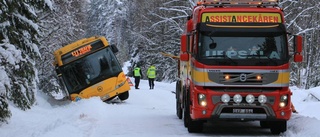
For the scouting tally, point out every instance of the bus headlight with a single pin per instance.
(237, 98)
(77, 98)
(250, 98)
(283, 101)
(202, 100)
(262, 99)
(120, 85)
(225, 98)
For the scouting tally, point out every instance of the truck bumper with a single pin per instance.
(219, 113)
(217, 110)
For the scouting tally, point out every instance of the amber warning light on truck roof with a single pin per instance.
(242, 17)
(239, 1)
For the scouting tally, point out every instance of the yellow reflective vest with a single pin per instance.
(137, 72)
(151, 73)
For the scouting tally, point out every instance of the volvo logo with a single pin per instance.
(243, 77)
(99, 88)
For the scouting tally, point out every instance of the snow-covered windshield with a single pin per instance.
(90, 70)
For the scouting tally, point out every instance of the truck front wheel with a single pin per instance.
(193, 126)
(277, 127)
(265, 124)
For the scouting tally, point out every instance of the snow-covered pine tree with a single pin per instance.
(19, 50)
(64, 24)
(303, 18)
(156, 27)
(109, 18)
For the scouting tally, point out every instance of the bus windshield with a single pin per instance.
(90, 70)
(264, 49)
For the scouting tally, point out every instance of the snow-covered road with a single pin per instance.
(145, 113)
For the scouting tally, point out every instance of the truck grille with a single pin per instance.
(242, 78)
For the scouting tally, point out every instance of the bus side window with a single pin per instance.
(113, 62)
(103, 63)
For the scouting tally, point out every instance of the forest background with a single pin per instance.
(30, 30)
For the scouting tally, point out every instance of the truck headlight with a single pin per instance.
(237, 98)
(225, 98)
(202, 100)
(283, 101)
(250, 98)
(262, 99)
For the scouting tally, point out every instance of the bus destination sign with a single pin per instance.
(86, 49)
(81, 51)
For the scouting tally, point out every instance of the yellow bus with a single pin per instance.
(89, 67)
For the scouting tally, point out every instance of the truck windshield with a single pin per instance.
(90, 70)
(241, 49)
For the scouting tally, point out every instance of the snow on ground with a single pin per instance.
(146, 113)
(307, 122)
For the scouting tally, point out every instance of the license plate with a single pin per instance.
(243, 111)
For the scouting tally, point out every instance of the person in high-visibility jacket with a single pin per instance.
(151, 74)
(137, 74)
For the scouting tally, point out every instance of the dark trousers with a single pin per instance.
(151, 83)
(136, 82)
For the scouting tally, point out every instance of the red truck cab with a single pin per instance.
(234, 65)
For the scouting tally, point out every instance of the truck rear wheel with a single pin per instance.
(179, 110)
(186, 114)
(277, 127)
(186, 110)
(124, 96)
(178, 101)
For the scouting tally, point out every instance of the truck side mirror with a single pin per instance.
(297, 58)
(183, 42)
(184, 57)
(298, 40)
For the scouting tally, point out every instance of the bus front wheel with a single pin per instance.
(124, 96)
